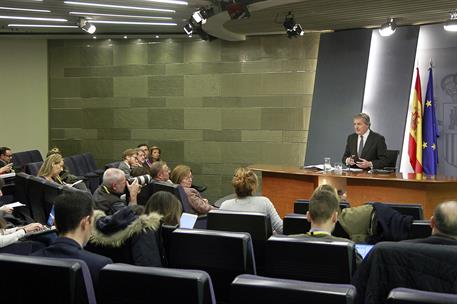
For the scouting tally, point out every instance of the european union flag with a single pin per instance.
(429, 131)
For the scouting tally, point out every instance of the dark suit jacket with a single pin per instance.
(107, 202)
(67, 248)
(374, 149)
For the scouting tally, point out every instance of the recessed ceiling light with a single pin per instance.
(94, 37)
(120, 16)
(169, 2)
(33, 18)
(24, 9)
(120, 6)
(125, 37)
(388, 28)
(156, 36)
(134, 23)
(451, 24)
(42, 25)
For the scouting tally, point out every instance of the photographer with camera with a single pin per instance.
(108, 196)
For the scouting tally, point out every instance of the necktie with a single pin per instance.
(359, 151)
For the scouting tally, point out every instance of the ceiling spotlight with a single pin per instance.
(86, 26)
(292, 29)
(125, 37)
(202, 15)
(189, 29)
(451, 24)
(388, 28)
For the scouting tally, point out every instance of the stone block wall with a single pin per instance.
(212, 105)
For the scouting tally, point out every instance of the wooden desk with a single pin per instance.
(283, 185)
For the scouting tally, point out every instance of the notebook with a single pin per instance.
(187, 220)
(363, 249)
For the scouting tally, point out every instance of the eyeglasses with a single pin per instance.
(8, 155)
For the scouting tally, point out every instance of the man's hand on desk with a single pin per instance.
(363, 163)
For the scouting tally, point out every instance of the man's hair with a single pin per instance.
(156, 168)
(112, 175)
(143, 145)
(322, 205)
(445, 216)
(365, 117)
(70, 208)
(3, 150)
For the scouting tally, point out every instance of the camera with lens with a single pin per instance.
(142, 179)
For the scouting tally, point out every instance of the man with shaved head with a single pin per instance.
(107, 197)
(444, 225)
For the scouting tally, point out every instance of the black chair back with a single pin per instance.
(414, 296)
(420, 230)
(258, 225)
(35, 196)
(247, 289)
(21, 188)
(112, 165)
(223, 255)
(129, 284)
(310, 259)
(391, 158)
(33, 168)
(46, 279)
(20, 159)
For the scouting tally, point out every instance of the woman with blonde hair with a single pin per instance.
(182, 175)
(51, 168)
(245, 182)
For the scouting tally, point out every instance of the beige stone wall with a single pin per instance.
(24, 94)
(212, 105)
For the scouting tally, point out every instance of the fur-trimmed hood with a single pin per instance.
(143, 223)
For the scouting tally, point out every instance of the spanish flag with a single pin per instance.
(415, 132)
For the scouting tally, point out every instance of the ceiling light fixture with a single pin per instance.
(292, 28)
(189, 29)
(42, 25)
(86, 26)
(202, 15)
(24, 9)
(34, 18)
(388, 28)
(451, 24)
(119, 16)
(169, 2)
(112, 6)
(134, 23)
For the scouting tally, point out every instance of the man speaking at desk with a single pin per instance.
(365, 149)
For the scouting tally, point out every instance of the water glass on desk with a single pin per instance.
(327, 164)
(338, 168)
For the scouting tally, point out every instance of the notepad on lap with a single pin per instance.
(187, 220)
(363, 249)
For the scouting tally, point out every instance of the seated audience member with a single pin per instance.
(6, 157)
(107, 197)
(128, 236)
(444, 225)
(145, 148)
(65, 177)
(73, 217)
(51, 168)
(322, 215)
(140, 157)
(129, 160)
(154, 155)
(160, 171)
(182, 175)
(167, 205)
(245, 182)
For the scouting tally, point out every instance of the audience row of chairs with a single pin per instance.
(68, 281)
(301, 206)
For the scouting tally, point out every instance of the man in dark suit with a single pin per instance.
(365, 149)
(73, 217)
(444, 225)
(6, 157)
